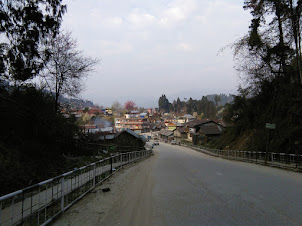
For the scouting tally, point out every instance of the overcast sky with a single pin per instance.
(150, 48)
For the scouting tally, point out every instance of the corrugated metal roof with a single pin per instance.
(128, 131)
(197, 122)
(211, 130)
(189, 116)
(166, 133)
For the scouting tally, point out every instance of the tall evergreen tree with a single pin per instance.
(163, 104)
(179, 105)
(27, 26)
(273, 41)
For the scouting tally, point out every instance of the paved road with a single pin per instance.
(179, 186)
(194, 189)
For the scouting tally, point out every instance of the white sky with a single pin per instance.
(150, 48)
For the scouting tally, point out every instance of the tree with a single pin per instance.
(179, 105)
(163, 104)
(27, 25)
(217, 99)
(273, 42)
(270, 57)
(206, 107)
(129, 105)
(86, 118)
(66, 67)
(86, 109)
(191, 106)
(116, 106)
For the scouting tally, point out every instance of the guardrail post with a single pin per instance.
(272, 156)
(62, 194)
(121, 160)
(0, 212)
(12, 209)
(111, 165)
(94, 175)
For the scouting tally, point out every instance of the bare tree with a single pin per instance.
(116, 106)
(66, 67)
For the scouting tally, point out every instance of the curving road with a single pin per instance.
(179, 186)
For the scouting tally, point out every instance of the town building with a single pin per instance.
(136, 122)
(127, 140)
(201, 131)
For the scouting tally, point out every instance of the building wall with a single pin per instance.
(138, 125)
(172, 128)
(127, 142)
(189, 137)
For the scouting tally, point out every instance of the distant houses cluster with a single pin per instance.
(188, 128)
(107, 124)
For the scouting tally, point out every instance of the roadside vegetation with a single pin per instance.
(38, 64)
(269, 58)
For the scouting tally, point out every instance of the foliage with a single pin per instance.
(66, 67)
(270, 57)
(202, 107)
(223, 98)
(32, 137)
(116, 106)
(163, 104)
(27, 25)
(130, 105)
(86, 109)
(252, 113)
(273, 42)
(217, 99)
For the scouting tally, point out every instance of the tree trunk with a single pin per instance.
(296, 33)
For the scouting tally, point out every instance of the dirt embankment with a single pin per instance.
(129, 201)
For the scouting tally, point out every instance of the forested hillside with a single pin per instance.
(209, 106)
(269, 57)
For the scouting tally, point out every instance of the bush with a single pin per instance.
(33, 137)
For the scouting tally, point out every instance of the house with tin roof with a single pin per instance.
(166, 135)
(204, 130)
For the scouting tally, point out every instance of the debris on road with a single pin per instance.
(106, 189)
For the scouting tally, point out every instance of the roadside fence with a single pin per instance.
(41, 203)
(282, 160)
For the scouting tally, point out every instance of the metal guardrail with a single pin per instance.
(283, 160)
(42, 202)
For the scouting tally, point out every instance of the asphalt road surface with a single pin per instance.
(179, 186)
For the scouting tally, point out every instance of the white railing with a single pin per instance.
(41, 203)
(290, 161)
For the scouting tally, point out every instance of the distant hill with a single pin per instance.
(75, 103)
(224, 99)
